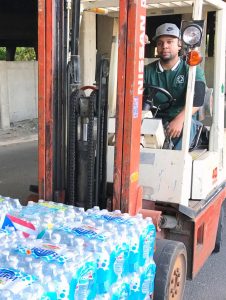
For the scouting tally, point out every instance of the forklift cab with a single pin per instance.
(192, 173)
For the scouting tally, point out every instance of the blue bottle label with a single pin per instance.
(14, 280)
(146, 247)
(86, 231)
(145, 286)
(114, 218)
(119, 263)
(48, 252)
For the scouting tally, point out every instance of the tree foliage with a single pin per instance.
(25, 54)
(2, 53)
(22, 54)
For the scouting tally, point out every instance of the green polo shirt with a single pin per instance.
(174, 81)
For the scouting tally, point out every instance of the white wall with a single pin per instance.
(18, 91)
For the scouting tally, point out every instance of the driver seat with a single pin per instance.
(201, 140)
(206, 109)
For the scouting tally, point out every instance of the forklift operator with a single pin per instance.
(171, 73)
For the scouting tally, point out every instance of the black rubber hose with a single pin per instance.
(72, 147)
(102, 115)
(91, 151)
(103, 166)
(75, 42)
(75, 27)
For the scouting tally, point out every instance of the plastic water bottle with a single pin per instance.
(13, 261)
(6, 295)
(84, 279)
(147, 239)
(120, 290)
(103, 297)
(103, 270)
(49, 288)
(119, 256)
(34, 292)
(80, 255)
(152, 234)
(134, 286)
(10, 203)
(133, 258)
(147, 280)
(37, 269)
(16, 284)
(71, 274)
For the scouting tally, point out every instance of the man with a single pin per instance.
(171, 73)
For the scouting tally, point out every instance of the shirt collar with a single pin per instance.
(172, 69)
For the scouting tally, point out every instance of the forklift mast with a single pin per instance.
(127, 194)
(52, 107)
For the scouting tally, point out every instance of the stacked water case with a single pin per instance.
(54, 251)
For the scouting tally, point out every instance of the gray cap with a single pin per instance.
(167, 29)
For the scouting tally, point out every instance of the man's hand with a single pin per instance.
(175, 127)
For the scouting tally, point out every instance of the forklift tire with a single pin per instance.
(171, 269)
(220, 229)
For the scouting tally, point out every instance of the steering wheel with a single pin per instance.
(149, 102)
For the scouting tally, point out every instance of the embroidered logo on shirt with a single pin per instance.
(180, 79)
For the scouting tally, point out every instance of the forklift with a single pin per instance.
(74, 152)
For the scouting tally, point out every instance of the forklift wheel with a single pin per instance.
(219, 231)
(171, 268)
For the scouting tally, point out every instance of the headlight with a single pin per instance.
(192, 35)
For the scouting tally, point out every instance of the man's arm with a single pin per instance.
(175, 127)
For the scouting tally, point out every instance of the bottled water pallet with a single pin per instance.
(52, 251)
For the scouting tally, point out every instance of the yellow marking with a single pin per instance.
(134, 177)
(50, 226)
(54, 206)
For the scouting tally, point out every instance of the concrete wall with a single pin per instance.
(209, 62)
(18, 91)
(104, 35)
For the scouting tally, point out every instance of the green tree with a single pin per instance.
(2, 53)
(25, 54)
(22, 54)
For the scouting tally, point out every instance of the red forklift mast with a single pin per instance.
(45, 98)
(52, 73)
(127, 194)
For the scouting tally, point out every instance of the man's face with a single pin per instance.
(167, 47)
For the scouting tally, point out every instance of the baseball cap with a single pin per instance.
(167, 29)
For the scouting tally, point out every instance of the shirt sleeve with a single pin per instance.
(200, 87)
(200, 76)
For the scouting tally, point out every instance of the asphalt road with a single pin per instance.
(18, 169)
